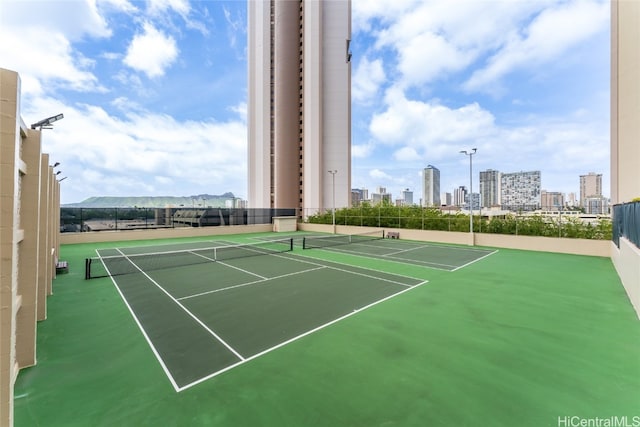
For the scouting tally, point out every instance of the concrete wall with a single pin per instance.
(29, 223)
(625, 100)
(528, 243)
(626, 259)
(625, 132)
(164, 233)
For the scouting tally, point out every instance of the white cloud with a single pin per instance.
(435, 38)
(406, 154)
(156, 7)
(365, 11)
(74, 20)
(28, 49)
(119, 5)
(142, 152)
(429, 126)
(37, 41)
(379, 175)
(151, 52)
(366, 81)
(362, 150)
(547, 38)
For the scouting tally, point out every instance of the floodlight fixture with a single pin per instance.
(46, 123)
(56, 164)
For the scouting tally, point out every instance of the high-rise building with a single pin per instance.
(474, 200)
(590, 186)
(460, 196)
(381, 196)
(551, 200)
(490, 188)
(445, 199)
(596, 205)
(407, 197)
(299, 108)
(430, 186)
(356, 197)
(520, 190)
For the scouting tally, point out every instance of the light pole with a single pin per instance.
(470, 154)
(333, 189)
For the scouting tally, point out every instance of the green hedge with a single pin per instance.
(417, 218)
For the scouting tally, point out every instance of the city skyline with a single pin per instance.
(452, 190)
(161, 88)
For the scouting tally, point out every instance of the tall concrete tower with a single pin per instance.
(299, 108)
(431, 186)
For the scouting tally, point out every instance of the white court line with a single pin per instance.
(206, 328)
(247, 284)
(289, 341)
(383, 258)
(475, 260)
(144, 333)
(242, 269)
(358, 267)
(406, 250)
(352, 272)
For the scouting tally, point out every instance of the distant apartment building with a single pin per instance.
(380, 196)
(474, 199)
(407, 197)
(551, 200)
(596, 205)
(571, 200)
(430, 186)
(356, 197)
(490, 188)
(299, 104)
(446, 199)
(590, 186)
(460, 196)
(520, 190)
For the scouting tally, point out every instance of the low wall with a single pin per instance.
(164, 233)
(589, 247)
(626, 260)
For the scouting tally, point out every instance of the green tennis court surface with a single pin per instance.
(440, 257)
(516, 338)
(209, 308)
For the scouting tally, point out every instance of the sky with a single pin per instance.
(154, 92)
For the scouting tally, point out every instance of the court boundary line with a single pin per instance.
(144, 333)
(293, 339)
(240, 285)
(299, 254)
(378, 257)
(242, 359)
(356, 273)
(295, 254)
(476, 260)
(431, 265)
(193, 316)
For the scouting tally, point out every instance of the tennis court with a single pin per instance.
(207, 307)
(374, 245)
(518, 338)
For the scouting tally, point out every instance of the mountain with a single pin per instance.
(199, 200)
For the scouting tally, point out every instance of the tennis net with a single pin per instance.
(311, 242)
(116, 265)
